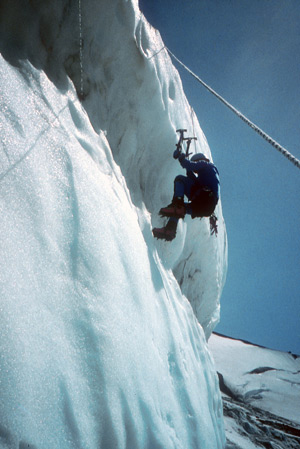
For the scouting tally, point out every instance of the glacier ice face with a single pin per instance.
(138, 100)
(99, 348)
(143, 146)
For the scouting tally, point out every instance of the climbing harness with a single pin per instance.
(264, 135)
(213, 221)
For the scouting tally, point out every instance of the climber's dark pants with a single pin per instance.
(182, 186)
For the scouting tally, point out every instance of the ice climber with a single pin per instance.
(201, 186)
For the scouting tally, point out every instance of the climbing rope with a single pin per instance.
(155, 54)
(80, 48)
(264, 135)
(192, 115)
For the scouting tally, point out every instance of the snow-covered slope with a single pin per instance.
(99, 347)
(261, 394)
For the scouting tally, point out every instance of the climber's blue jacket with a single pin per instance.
(203, 173)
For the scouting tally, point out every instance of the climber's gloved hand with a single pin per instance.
(178, 155)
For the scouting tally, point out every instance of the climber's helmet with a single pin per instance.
(199, 157)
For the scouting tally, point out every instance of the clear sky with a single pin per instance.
(249, 52)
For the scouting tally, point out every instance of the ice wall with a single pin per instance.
(138, 101)
(146, 91)
(98, 346)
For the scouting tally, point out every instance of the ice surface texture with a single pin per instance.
(99, 348)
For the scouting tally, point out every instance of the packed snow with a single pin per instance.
(100, 340)
(265, 378)
(261, 394)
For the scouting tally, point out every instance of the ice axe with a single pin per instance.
(181, 138)
(188, 143)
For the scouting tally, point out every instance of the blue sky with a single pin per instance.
(249, 52)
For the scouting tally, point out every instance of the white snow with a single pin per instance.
(98, 345)
(236, 438)
(264, 378)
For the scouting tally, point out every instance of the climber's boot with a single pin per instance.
(175, 209)
(167, 233)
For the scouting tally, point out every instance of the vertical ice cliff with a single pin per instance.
(99, 348)
(133, 81)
